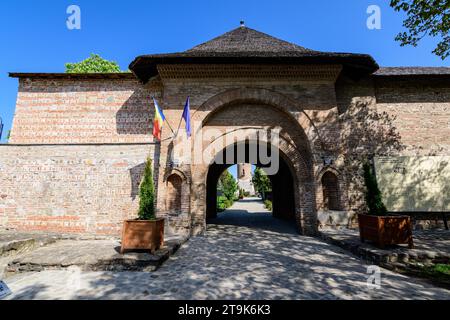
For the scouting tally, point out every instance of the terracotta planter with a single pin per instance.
(142, 235)
(386, 230)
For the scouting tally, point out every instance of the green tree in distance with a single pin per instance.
(93, 64)
(228, 185)
(261, 182)
(425, 17)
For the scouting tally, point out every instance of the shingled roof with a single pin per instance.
(244, 46)
(413, 71)
(246, 40)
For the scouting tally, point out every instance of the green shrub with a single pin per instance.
(147, 194)
(373, 194)
(222, 203)
(228, 203)
(268, 205)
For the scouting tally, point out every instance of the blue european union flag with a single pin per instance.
(187, 117)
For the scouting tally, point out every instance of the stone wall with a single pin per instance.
(70, 188)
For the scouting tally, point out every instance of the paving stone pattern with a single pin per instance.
(265, 261)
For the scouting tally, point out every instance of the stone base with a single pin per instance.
(334, 219)
(430, 247)
(91, 255)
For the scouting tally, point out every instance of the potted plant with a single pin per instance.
(146, 232)
(377, 226)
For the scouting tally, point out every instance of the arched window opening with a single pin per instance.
(173, 200)
(330, 188)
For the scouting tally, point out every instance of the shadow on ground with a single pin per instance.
(265, 261)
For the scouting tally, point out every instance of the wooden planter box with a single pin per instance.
(386, 230)
(142, 235)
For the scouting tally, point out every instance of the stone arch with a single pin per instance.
(262, 96)
(304, 186)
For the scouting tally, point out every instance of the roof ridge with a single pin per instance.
(244, 39)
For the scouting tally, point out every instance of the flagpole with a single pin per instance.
(179, 124)
(170, 127)
(181, 120)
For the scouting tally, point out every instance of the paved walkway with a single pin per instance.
(267, 261)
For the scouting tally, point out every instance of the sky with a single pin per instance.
(34, 36)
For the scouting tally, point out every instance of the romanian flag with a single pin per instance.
(158, 121)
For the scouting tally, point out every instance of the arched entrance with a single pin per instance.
(283, 196)
(247, 110)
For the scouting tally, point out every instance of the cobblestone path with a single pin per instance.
(234, 261)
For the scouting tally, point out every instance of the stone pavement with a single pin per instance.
(233, 261)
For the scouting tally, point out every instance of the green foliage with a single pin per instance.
(268, 205)
(425, 17)
(373, 194)
(93, 64)
(442, 268)
(147, 194)
(438, 273)
(223, 203)
(261, 182)
(228, 185)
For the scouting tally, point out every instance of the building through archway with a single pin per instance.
(282, 181)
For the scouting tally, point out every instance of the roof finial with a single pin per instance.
(242, 24)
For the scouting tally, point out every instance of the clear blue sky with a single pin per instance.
(34, 36)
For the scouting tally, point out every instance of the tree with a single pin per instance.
(228, 185)
(373, 194)
(147, 194)
(261, 182)
(93, 64)
(425, 17)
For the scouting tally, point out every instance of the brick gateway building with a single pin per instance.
(79, 141)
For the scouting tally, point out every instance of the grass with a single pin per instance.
(438, 270)
(437, 273)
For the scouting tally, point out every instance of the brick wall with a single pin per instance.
(51, 111)
(76, 188)
(422, 111)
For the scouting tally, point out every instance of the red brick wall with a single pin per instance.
(50, 111)
(80, 189)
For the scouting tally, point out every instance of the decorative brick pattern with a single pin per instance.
(58, 111)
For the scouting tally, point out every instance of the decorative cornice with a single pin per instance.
(224, 71)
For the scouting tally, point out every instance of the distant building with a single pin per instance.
(244, 175)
